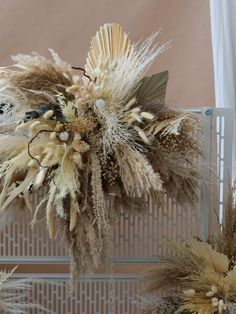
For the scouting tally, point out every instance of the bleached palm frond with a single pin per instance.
(108, 45)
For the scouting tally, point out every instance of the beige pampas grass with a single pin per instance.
(35, 80)
(133, 165)
(51, 221)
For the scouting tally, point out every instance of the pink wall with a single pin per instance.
(67, 27)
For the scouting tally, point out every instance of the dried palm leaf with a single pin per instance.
(152, 90)
(108, 45)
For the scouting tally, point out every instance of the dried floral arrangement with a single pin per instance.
(204, 273)
(98, 141)
(14, 294)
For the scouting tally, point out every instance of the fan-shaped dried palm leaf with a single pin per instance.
(108, 45)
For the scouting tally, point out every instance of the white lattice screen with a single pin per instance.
(136, 239)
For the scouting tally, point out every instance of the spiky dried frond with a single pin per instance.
(14, 295)
(186, 261)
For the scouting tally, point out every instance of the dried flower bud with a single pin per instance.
(215, 301)
(209, 294)
(147, 115)
(189, 292)
(48, 114)
(32, 163)
(53, 136)
(221, 306)
(214, 289)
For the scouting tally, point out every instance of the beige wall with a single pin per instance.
(67, 26)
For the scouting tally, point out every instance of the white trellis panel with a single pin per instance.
(97, 294)
(141, 239)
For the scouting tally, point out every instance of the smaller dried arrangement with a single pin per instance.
(204, 273)
(14, 295)
(98, 142)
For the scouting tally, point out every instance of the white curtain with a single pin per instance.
(223, 30)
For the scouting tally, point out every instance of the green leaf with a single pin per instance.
(152, 89)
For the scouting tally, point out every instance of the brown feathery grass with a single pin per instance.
(38, 83)
(176, 158)
(88, 250)
(226, 237)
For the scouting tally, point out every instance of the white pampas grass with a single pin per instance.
(115, 133)
(131, 67)
(24, 61)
